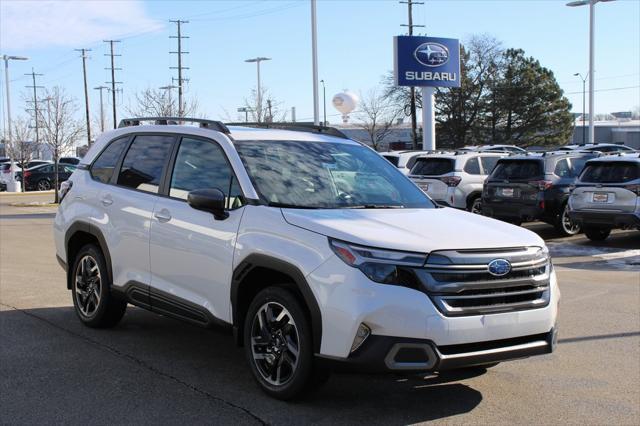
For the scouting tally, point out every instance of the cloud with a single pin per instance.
(42, 24)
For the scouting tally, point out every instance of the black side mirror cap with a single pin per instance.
(210, 200)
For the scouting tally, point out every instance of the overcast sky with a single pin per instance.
(355, 45)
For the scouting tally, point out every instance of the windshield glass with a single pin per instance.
(610, 172)
(517, 169)
(326, 175)
(432, 166)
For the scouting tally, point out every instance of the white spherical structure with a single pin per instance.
(345, 102)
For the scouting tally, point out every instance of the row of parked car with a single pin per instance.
(39, 175)
(594, 187)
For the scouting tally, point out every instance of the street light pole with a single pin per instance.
(314, 60)
(259, 93)
(169, 88)
(592, 23)
(6, 60)
(324, 102)
(584, 80)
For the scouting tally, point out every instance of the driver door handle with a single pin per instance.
(106, 200)
(162, 215)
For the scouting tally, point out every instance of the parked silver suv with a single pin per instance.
(455, 179)
(607, 195)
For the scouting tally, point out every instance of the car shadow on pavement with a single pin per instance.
(203, 364)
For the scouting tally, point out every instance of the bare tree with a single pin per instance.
(61, 129)
(377, 116)
(161, 103)
(23, 148)
(264, 108)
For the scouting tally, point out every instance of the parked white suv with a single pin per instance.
(312, 248)
(403, 160)
(455, 179)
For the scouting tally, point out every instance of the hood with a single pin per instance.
(417, 230)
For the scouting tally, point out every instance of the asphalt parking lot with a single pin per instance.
(151, 369)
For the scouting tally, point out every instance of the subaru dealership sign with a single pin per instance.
(426, 61)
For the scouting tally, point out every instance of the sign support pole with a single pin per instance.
(428, 119)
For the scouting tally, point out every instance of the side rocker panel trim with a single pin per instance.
(260, 260)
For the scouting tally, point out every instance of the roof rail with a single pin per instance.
(298, 127)
(204, 123)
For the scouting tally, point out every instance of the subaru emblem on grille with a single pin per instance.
(499, 267)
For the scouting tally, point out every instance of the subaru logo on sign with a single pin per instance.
(499, 267)
(432, 54)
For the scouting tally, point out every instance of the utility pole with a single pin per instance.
(179, 22)
(35, 88)
(412, 90)
(86, 92)
(113, 78)
(324, 102)
(314, 61)
(101, 88)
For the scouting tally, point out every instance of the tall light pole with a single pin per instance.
(170, 87)
(314, 60)
(6, 59)
(592, 22)
(259, 92)
(324, 102)
(584, 81)
(101, 88)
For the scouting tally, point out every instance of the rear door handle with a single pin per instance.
(162, 215)
(106, 200)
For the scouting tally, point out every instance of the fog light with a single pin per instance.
(361, 335)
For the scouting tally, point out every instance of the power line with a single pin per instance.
(35, 88)
(113, 81)
(179, 52)
(605, 90)
(86, 91)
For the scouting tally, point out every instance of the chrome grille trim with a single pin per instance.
(463, 294)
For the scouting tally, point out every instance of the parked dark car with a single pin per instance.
(69, 160)
(43, 177)
(531, 187)
(34, 163)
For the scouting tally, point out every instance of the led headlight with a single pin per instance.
(379, 265)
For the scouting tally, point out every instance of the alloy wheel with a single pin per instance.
(275, 343)
(88, 285)
(44, 185)
(476, 206)
(570, 227)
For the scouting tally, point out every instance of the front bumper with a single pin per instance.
(380, 354)
(606, 219)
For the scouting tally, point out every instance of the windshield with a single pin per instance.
(517, 169)
(326, 175)
(610, 172)
(432, 166)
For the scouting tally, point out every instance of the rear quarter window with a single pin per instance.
(518, 169)
(432, 166)
(392, 159)
(103, 167)
(611, 172)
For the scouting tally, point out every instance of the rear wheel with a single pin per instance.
(278, 344)
(475, 206)
(565, 225)
(91, 290)
(43, 185)
(597, 234)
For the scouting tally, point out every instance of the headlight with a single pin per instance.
(382, 266)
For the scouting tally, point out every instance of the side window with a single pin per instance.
(472, 166)
(143, 163)
(46, 169)
(103, 167)
(202, 164)
(562, 168)
(488, 163)
(577, 164)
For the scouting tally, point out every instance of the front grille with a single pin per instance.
(459, 282)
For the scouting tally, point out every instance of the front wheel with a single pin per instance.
(597, 234)
(564, 225)
(278, 344)
(475, 206)
(44, 185)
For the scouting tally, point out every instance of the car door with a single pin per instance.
(127, 205)
(191, 251)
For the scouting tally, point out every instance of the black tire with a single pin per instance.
(43, 185)
(475, 205)
(93, 301)
(597, 234)
(564, 225)
(269, 355)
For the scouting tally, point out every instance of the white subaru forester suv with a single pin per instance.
(315, 251)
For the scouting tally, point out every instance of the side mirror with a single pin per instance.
(209, 200)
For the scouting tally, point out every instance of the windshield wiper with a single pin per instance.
(290, 206)
(375, 206)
